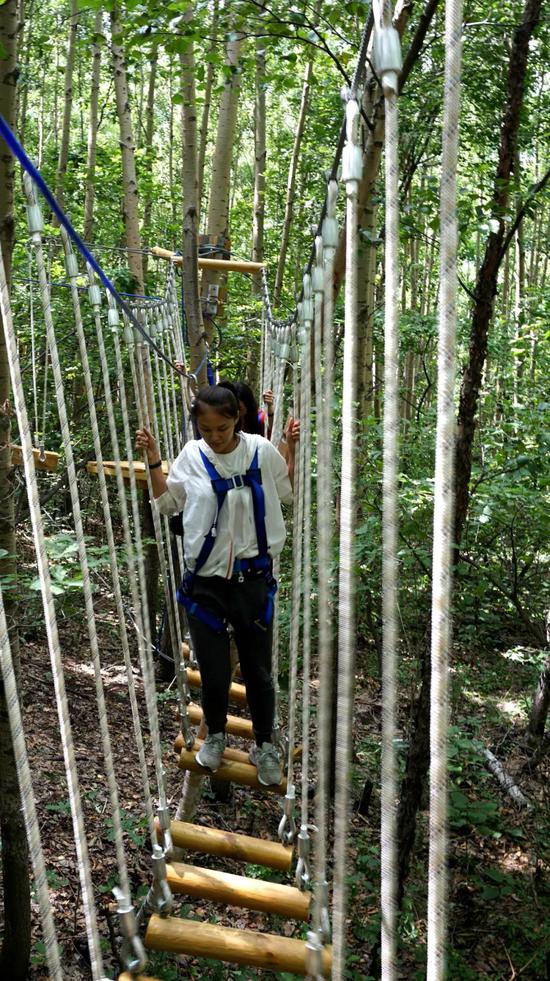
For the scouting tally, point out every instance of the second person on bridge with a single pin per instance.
(229, 486)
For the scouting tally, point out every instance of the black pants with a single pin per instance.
(240, 603)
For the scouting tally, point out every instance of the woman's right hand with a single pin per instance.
(146, 441)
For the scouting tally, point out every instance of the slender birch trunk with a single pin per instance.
(253, 353)
(15, 954)
(67, 106)
(130, 200)
(218, 210)
(190, 249)
(148, 147)
(89, 199)
(291, 183)
(206, 106)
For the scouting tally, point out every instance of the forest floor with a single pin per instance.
(499, 889)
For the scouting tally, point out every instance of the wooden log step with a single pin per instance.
(230, 752)
(42, 461)
(265, 950)
(135, 977)
(241, 773)
(237, 693)
(228, 844)
(238, 890)
(235, 725)
(138, 466)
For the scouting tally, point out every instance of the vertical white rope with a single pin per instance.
(444, 503)
(57, 374)
(72, 271)
(326, 248)
(92, 932)
(389, 548)
(303, 869)
(351, 175)
(28, 800)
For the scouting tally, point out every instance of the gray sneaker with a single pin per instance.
(266, 760)
(211, 752)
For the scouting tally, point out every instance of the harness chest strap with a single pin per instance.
(262, 562)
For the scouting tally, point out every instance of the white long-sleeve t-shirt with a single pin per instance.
(189, 490)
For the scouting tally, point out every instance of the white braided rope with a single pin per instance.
(305, 437)
(115, 575)
(57, 374)
(389, 549)
(443, 504)
(92, 932)
(351, 172)
(325, 513)
(297, 560)
(28, 800)
(135, 556)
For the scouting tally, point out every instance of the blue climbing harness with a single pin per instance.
(260, 563)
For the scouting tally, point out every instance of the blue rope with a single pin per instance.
(14, 145)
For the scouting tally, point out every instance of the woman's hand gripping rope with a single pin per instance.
(146, 442)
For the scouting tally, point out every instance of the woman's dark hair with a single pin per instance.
(244, 394)
(217, 397)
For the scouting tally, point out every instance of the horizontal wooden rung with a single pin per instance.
(238, 890)
(237, 693)
(240, 773)
(235, 725)
(43, 460)
(228, 844)
(230, 752)
(109, 469)
(248, 947)
(226, 265)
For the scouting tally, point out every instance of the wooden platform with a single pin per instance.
(228, 844)
(248, 947)
(238, 890)
(109, 469)
(44, 461)
(243, 774)
(237, 693)
(225, 265)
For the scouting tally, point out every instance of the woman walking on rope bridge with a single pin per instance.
(230, 486)
(252, 418)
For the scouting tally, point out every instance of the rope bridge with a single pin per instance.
(137, 342)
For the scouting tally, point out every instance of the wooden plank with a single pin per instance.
(138, 466)
(241, 773)
(44, 461)
(228, 844)
(227, 265)
(237, 693)
(248, 947)
(230, 752)
(239, 890)
(235, 725)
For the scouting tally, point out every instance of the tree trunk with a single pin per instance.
(291, 184)
(541, 699)
(206, 106)
(190, 248)
(148, 147)
(89, 200)
(220, 184)
(127, 145)
(486, 284)
(15, 954)
(67, 107)
(253, 353)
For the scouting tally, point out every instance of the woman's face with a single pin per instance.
(217, 430)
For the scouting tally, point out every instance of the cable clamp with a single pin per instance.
(163, 815)
(159, 898)
(387, 57)
(287, 824)
(314, 956)
(303, 871)
(35, 219)
(320, 912)
(71, 264)
(94, 295)
(132, 953)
